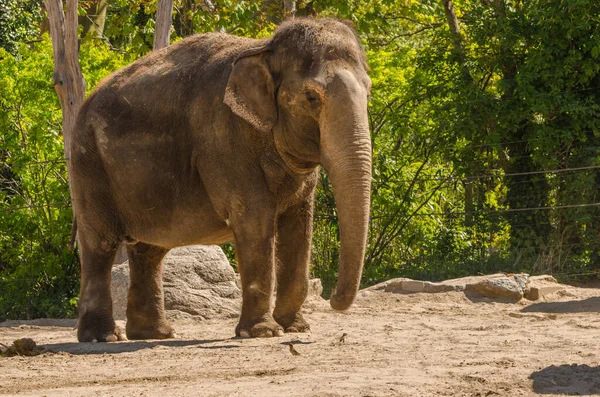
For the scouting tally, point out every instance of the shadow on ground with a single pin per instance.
(580, 306)
(126, 347)
(40, 322)
(572, 380)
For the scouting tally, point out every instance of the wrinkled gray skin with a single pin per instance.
(218, 138)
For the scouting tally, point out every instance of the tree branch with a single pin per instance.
(457, 38)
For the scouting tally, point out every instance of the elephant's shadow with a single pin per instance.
(133, 346)
(567, 379)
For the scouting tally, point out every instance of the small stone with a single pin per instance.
(315, 289)
(24, 346)
(21, 347)
(539, 292)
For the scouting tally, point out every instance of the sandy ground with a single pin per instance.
(396, 345)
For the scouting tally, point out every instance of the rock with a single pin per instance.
(407, 285)
(21, 347)
(493, 287)
(534, 315)
(404, 285)
(506, 288)
(393, 285)
(433, 288)
(536, 293)
(543, 278)
(542, 286)
(413, 286)
(119, 285)
(198, 281)
(522, 280)
(315, 289)
(459, 284)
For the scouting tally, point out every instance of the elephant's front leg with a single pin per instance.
(293, 256)
(255, 247)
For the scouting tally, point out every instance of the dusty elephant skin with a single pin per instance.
(218, 138)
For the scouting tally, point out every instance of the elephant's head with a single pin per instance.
(308, 87)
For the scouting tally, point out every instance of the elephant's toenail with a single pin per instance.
(244, 334)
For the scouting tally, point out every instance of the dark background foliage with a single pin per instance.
(486, 136)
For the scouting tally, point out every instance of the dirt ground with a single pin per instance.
(396, 345)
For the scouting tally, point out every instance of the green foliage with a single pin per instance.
(38, 273)
(465, 130)
(19, 20)
(522, 99)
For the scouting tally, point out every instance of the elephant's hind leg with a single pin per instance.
(145, 302)
(95, 303)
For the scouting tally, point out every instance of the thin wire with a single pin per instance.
(55, 204)
(509, 210)
(55, 161)
(29, 279)
(473, 177)
(560, 193)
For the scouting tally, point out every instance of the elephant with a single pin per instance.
(219, 138)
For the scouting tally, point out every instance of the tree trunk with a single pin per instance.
(530, 231)
(162, 28)
(184, 24)
(289, 8)
(68, 80)
(272, 10)
(457, 39)
(94, 19)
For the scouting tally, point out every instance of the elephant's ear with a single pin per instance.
(250, 91)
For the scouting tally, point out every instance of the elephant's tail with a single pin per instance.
(73, 234)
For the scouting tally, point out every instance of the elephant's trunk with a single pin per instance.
(346, 156)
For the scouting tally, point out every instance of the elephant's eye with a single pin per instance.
(311, 96)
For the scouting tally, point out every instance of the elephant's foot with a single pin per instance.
(94, 328)
(292, 323)
(157, 330)
(264, 328)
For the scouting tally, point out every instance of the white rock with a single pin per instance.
(198, 281)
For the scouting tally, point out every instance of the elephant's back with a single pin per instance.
(157, 93)
(199, 60)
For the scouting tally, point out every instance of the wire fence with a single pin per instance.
(401, 218)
